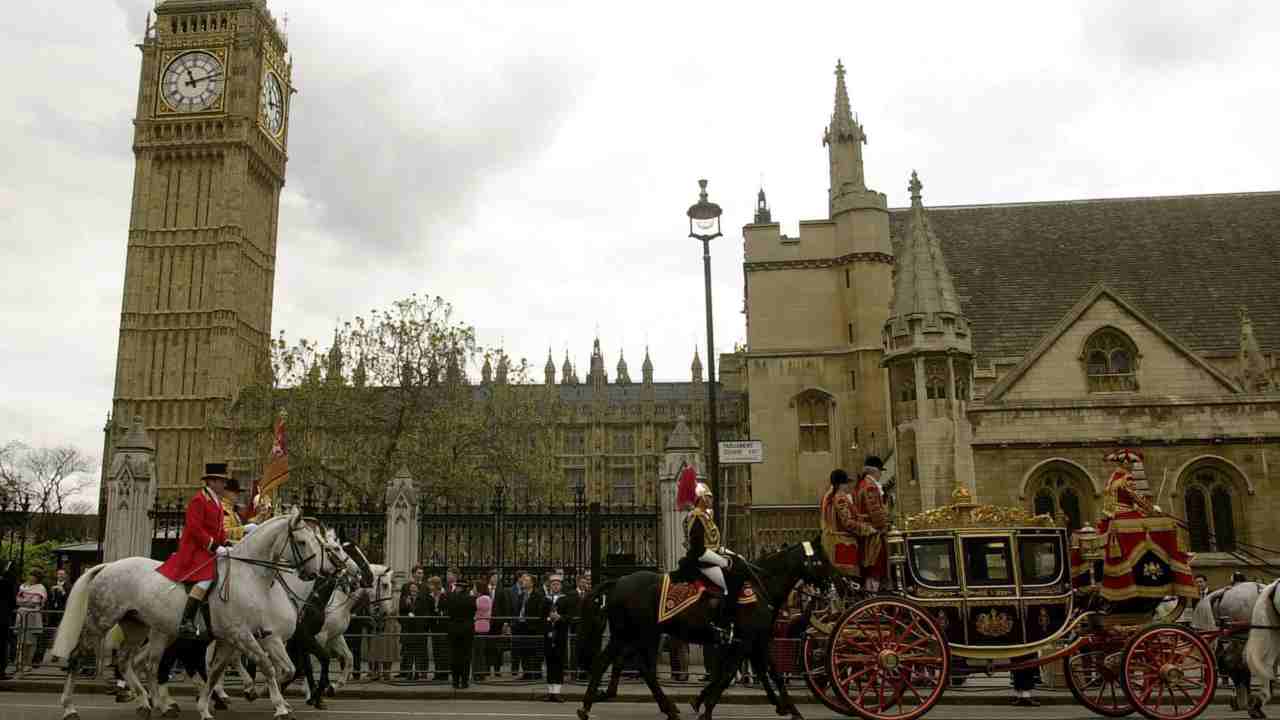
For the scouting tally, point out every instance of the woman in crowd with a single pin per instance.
(32, 597)
(484, 611)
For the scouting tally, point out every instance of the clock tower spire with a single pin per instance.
(210, 140)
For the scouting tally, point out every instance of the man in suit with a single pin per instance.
(526, 629)
(578, 599)
(431, 608)
(460, 608)
(556, 612)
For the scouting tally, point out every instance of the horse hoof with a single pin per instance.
(795, 715)
(1255, 707)
(143, 713)
(250, 695)
(171, 711)
(582, 715)
(330, 691)
(219, 703)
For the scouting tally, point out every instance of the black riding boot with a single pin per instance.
(187, 629)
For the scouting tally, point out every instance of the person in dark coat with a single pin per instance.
(460, 608)
(527, 628)
(556, 613)
(8, 603)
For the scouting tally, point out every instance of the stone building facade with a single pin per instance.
(210, 140)
(1018, 345)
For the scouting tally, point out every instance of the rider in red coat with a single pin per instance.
(203, 539)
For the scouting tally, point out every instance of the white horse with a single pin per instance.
(1262, 651)
(335, 629)
(254, 616)
(131, 587)
(1235, 604)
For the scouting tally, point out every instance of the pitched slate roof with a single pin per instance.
(1187, 261)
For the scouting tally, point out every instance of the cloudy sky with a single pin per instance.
(532, 162)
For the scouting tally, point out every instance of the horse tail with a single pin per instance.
(1261, 649)
(72, 624)
(592, 623)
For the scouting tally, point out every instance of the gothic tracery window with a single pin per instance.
(1208, 499)
(1059, 491)
(936, 380)
(1111, 362)
(813, 409)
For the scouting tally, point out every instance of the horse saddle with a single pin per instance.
(675, 597)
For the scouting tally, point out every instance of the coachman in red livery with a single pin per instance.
(204, 539)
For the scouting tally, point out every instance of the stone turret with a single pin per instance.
(646, 368)
(486, 371)
(696, 367)
(549, 370)
(502, 370)
(597, 375)
(624, 377)
(763, 215)
(567, 374)
(929, 353)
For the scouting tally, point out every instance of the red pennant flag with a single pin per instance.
(686, 488)
(277, 471)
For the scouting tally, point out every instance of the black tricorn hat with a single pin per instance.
(839, 477)
(216, 471)
(874, 461)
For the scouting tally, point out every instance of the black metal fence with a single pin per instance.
(499, 530)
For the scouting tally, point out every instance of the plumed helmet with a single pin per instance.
(701, 491)
(839, 477)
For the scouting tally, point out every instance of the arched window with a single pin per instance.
(1209, 502)
(1111, 362)
(962, 380)
(1060, 491)
(813, 409)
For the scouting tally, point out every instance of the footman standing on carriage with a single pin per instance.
(204, 538)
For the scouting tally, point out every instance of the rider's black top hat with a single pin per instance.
(215, 471)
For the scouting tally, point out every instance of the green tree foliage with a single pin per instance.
(393, 390)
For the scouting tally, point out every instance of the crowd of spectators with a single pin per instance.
(463, 629)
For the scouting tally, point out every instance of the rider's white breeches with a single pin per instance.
(715, 573)
(204, 584)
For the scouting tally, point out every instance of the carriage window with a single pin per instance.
(1041, 560)
(933, 562)
(987, 561)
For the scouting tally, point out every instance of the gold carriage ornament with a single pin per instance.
(963, 512)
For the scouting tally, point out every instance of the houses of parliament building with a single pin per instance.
(1006, 347)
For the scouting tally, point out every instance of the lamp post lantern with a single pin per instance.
(704, 225)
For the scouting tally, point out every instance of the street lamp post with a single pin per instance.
(704, 225)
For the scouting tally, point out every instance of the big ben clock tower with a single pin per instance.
(210, 140)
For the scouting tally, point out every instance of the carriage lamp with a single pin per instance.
(1090, 543)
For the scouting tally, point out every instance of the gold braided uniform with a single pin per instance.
(231, 521)
(700, 533)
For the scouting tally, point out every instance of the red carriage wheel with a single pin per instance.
(888, 660)
(817, 675)
(1168, 673)
(1093, 677)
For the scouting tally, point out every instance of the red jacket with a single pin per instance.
(202, 533)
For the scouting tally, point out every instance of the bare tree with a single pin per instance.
(10, 472)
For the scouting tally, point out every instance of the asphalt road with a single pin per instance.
(44, 706)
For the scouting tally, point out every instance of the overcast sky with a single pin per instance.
(532, 162)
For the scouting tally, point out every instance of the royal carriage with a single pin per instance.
(982, 589)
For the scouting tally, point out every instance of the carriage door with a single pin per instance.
(993, 613)
(1046, 589)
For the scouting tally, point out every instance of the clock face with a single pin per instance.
(193, 82)
(272, 104)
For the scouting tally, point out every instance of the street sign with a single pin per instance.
(741, 452)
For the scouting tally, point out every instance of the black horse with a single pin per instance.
(630, 607)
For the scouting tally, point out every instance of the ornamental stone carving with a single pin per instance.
(131, 482)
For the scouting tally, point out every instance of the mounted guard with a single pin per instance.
(703, 548)
(204, 539)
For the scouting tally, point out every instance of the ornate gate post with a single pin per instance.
(681, 449)
(402, 526)
(131, 491)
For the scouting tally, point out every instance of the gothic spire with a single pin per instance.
(501, 371)
(624, 377)
(696, 368)
(922, 287)
(646, 368)
(844, 139)
(549, 370)
(842, 121)
(763, 216)
(486, 371)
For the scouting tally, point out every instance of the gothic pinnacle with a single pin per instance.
(915, 186)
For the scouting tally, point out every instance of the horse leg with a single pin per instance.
(345, 658)
(69, 711)
(607, 657)
(768, 673)
(275, 663)
(248, 670)
(222, 656)
(726, 671)
(649, 670)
